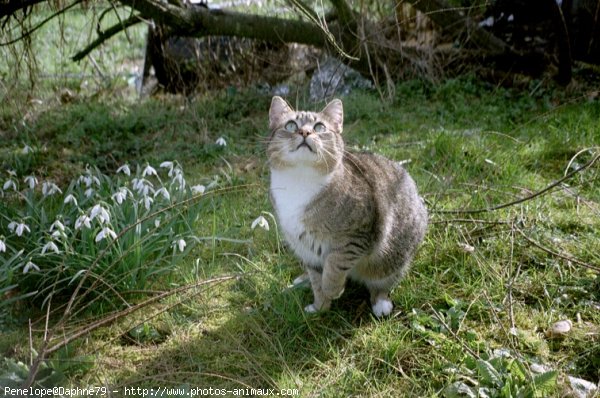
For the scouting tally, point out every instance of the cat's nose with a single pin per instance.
(304, 133)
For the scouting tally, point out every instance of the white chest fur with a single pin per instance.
(292, 190)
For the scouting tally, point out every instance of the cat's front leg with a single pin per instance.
(320, 301)
(335, 273)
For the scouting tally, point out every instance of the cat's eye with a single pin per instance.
(291, 126)
(319, 128)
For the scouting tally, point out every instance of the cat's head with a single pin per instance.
(301, 138)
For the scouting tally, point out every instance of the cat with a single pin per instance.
(344, 214)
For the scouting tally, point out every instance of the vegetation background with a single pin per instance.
(182, 280)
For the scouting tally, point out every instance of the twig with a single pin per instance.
(36, 27)
(105, 35)
(469, 220)
(111, 318)
(441, 320)
(553, 253)
(526, 198)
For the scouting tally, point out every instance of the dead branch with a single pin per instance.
(105, 35)
(555, 254)
(526, 198)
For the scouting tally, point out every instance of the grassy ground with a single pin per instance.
(483, 285)
(473, 313)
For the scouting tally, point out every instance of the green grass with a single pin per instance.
(470, 146)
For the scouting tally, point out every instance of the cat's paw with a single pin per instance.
(333, 292)
(300, 280)
(311, 309)
(383, 307)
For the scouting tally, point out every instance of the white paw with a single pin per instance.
(383, 307)
(299, 280)
(311, 309)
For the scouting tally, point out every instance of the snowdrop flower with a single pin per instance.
(27, 150)
(167, 165)
(83, 179)
(57, 225)
(30, 266)
(120, 196)
(148, 202)
(89, 192)
(180, 244)
(100, 213)
(149, 171)
(12, 173)
(163, 191)
(2, 246)
(221, 141)
(260, 221)
(50, 188)
(83, 221)
(142, 186)
(157, 222)
(50, 246)
(124, 169)
(198, 189)
(70, 199)
(18, 228)
(9, 184)
(58, 234)
(31, 181)
(179, 179)
(105, 232)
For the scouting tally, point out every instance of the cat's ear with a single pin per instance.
(334, 112)
(278, 108)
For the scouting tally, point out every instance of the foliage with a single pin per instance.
(111, 235)
(470, 316)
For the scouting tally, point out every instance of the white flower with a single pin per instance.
(100, 213)
(70, 199)
(124, 169)
(89, 192)
(198, 189)
(166, 165)
(57, 225)
(105, 232)
(50, 246)
(148, 202)
(2, 246)
(83, 221)
(163, 191)
(31, 181)
(121, 195)
(18, 228)
(29, 266)
(149, 171)
(221, 141)
(260, 221)
(157, 222)
(12, 173)
(179, 178)
(58, 234)
(142, 186)
(27, 149)
(9, 184)
(86, 179)
(180, 244)
(50, 188)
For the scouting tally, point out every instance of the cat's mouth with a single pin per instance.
(304, 144)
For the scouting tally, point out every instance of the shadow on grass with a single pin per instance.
(270, 345)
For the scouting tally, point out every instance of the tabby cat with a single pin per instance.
(344, 214)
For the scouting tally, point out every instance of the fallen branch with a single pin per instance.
(555, 254)
(526, 198)
(105, 35)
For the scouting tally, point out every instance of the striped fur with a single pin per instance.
(345, 215)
